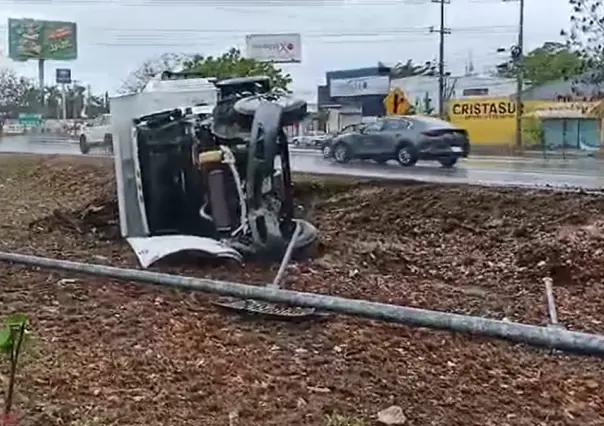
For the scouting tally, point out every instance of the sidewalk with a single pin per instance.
(531, 156)
(526, 156)
(508, 151)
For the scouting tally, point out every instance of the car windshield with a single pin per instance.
(350, 128)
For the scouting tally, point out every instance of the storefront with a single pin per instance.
(360, 89)
(493, 121)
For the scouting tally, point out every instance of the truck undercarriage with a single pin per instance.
(214, 181)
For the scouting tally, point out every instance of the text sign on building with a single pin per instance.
(360, 86)
(276, 48)
(63, 76)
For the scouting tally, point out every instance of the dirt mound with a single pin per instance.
(109, 353)
(99, 219)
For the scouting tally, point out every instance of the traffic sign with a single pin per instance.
(63, 76)
(396, 102)
(30, 120)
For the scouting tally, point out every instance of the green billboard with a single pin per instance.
(34, 39)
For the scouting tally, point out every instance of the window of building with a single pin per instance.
(482, 91)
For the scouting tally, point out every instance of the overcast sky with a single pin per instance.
(116, 35)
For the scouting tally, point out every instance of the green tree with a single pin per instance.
(550, 62)
(586, 37)
(17, 94)
(232, 64)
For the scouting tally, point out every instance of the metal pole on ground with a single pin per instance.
(551, 301)
(547, 337)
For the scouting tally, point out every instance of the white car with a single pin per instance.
(312, 138)
(97, 133)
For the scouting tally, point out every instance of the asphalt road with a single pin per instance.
(585, 173)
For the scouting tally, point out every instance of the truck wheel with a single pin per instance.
(84, 147)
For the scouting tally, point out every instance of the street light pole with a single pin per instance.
(441, 56)
(518, 59)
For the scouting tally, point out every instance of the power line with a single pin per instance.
(227, 3)
(307, 33)
(209, 42)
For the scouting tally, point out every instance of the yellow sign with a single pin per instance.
(396, 102)
(493, 121)
(488, 108)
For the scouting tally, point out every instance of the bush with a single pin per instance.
(533, 133)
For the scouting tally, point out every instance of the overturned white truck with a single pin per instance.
(191, 180)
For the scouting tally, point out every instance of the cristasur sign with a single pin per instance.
(485, 109)
(359, 86)
(276, 48)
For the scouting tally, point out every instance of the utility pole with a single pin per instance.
(442, 31)
(518, 60)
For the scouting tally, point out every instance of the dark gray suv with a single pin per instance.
(406, 139)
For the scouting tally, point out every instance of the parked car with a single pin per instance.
(309, 139)
(96, 133)
(406, 139)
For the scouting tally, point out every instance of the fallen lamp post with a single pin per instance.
(546, 337)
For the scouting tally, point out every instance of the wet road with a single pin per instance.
(585, 173)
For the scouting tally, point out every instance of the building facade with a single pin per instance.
(423, 92)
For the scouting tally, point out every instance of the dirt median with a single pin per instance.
(113, 353)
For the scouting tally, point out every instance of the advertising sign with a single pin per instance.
(276, 48)
(360, 86)
(493, 121)
(34, 39)
(63, 76)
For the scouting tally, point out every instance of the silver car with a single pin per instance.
(406, 139)
(312, 138)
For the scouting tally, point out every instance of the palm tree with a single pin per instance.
(54, 101)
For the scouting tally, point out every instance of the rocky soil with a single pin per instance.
(111, 353)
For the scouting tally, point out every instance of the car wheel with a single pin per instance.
(406, 156)
(84, 146)
(448, 162)
(341, 153)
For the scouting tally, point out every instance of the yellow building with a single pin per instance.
(493, 121)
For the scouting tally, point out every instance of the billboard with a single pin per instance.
(359, 86)
(34, 39)
(276, 48)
